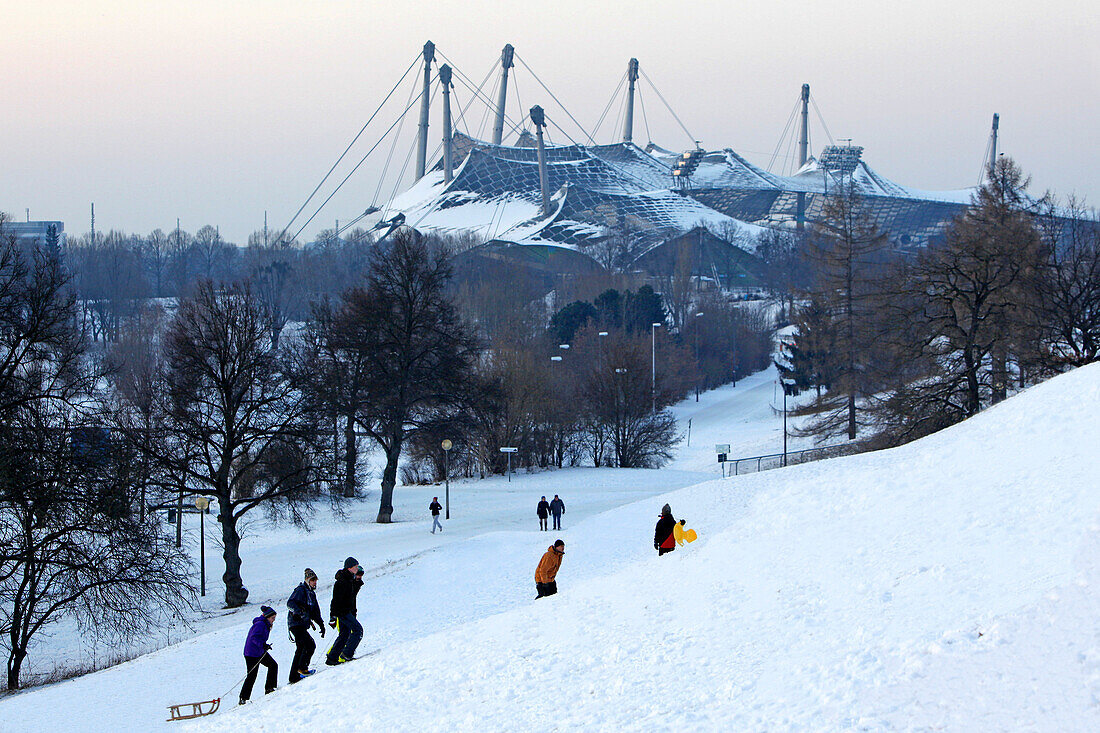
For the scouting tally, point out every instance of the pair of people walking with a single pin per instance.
(545, 509)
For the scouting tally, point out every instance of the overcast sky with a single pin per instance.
(217, 111)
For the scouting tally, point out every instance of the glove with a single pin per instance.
(267, 647)
(656, 546)
(332, 622)
(683, 522)
(322, 628)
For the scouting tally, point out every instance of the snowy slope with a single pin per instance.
(949, 584)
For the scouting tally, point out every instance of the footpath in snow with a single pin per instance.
(948, 584)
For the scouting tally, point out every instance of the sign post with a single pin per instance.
(509, 451)
(447, 445)
(723, 450)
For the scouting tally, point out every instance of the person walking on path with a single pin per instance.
(543, 510)
(435, 509)
(663, 538)
(547, 571)
(256, 652)
(303, 614)
(342, 613)
(557, 508)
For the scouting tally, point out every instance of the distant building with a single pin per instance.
(30, 233)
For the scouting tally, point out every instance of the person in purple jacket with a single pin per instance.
(256, 653)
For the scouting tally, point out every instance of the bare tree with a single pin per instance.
(235, 428)
(423, 354)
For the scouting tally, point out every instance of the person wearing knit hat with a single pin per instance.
(342, 613)
(304, 614)
(257, 652)
(664, 540)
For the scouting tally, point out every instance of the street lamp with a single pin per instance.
(447, 445)
(653, 361)
(695, 334)
(202, 503)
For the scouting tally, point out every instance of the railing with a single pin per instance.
(776, 460)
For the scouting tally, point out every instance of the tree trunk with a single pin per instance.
(973, 394)
(17, 651)
(235, 592)
(389, 480)
(351, 455)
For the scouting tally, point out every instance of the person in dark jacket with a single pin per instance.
(663, 538)
(256, 652)
(557, 508)
(304, 615)
(342, 613)
(543, 510)
(435, 508)
(546, 573)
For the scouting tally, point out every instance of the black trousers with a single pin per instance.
(546, 589)
(253, 665)
(304, 646)
(542, 523)
(663, 550)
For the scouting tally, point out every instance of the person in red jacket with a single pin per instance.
(663, 538)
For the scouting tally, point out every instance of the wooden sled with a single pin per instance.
(196, 709)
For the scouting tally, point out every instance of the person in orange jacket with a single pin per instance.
(547, 571)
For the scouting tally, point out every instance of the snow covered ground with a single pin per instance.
(949, 584)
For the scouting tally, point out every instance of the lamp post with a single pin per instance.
(447, 445)
(695, 334)
(202, 503)
(653, 364)
(785, 388)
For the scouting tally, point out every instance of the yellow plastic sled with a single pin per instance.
(683, 535)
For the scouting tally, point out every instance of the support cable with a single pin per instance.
(668, 106)
(476, 90)
(610, 101)
(352, 171)
(579, 125)
(393, 146)
(641, 104)
(782, 137)
(348, 148)
(822, 118)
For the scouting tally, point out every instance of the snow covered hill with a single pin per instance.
(949, 584)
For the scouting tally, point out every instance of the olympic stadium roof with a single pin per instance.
(601, 191)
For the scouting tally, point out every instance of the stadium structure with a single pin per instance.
(563, 207)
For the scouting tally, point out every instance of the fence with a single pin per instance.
(776, 460)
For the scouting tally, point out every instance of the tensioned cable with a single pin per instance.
(523, 116)
(667, 105)
(782, 138)
(644, 118)
(610, 101)
(619, 116)
(822, 118)
(352, 171)
(393, 144)
(476, 90)
(408, 157)
(348, 148)
(579, 125)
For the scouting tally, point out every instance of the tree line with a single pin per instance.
(900, 344)
(228, 392)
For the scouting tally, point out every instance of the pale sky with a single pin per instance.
(217, 111)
